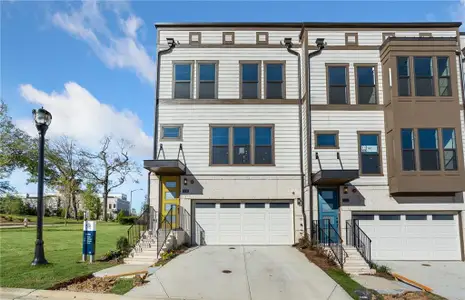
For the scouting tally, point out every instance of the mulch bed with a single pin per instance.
(409, 296)
(91, 284)
(319, 259)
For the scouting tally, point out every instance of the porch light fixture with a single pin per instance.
(185, 181)
(346, 189)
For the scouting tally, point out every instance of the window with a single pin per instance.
(415, 217)
(228, 38)
(366, 84)
(263, 146)
(262, 38)
(241, 145)
(370, 158)
(220, 146)
(424, 85)
(182, 80)
(230, 205)
(274, 81)
(205, 205)
(255, 205)
(337, 82)
(389, 217)
(207, 81)
(171, 132)
(449, 146)
(443, 217)
(109, 206)
(403, 73)
(408, 150)
(195, 38)
(364, 217)
(351, 38)
(248, 145)
(279, 205)
(444, 77)
(250, 80)
(429, 152)
(326, 140)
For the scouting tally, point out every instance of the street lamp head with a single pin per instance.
(42, 118)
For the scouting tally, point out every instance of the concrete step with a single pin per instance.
(355, 258)
(355, 265)
(357, 270)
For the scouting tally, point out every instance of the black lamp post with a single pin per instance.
(42, 119)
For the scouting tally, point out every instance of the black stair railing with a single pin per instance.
(326, 235)
(167, 225)
(142, 226)
(197, 235)
(356, 237)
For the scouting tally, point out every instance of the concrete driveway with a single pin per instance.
(446, 278)
(256, 273)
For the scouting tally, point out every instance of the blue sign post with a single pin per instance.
(89, 240)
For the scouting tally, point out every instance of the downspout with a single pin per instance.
(299, 72)
(461, 62)
(321, 45)
(172, 44)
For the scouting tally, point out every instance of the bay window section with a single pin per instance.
(403, 75)
(449, 145)
(444, 81)
(408, 150)
(424, 84)
(429, 151)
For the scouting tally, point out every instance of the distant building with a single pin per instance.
(115, 203)
(52, 201)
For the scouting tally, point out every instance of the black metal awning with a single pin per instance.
(165, 166)
(334, 177)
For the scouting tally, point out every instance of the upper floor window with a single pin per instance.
(408, 149)
(326, 140)
(274, 81)
(366, 84)
(449, 145)
(444, 77)
(207, 81)
(424, 84)
(369, 149)
(403, 74)
(429, 151)
(171, 132)
(249, 145)
(337, 85)
(182, 80)
(220, 145)
(250, 80)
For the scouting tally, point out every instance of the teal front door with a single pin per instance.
(328, 211)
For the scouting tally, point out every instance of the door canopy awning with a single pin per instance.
(334, 177)
(165, 166)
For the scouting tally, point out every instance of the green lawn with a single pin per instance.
(47, 220)
(63, 248)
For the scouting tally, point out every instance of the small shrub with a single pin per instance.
(122, 244)
(127, 220)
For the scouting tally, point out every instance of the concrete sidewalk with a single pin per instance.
(30, 294)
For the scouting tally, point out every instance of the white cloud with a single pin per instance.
(116, 50)
(78, 114)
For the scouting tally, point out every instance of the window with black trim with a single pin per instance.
(424, 83)
(255, 205)
(370, 156)
(444, 81)
(443, 217)
(403, 75)
(182, 80)
(250, 80)
(389, 217)
(326, 140)
(242, 145)
(230, 205)
(337, 85)
(274, 81)
(449, 146)
(207, 81)
(415, 217)
(205, 205)
(366, 85)
(408, 149)
(171, 132)
(429, 150)
(364, 217)
(279, 205)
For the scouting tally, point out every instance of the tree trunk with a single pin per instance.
(75, 208)
(105, 204)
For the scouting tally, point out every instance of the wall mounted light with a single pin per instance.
(185, 181)
(346, 189)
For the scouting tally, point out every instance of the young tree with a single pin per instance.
(111, 168)
(92, 202)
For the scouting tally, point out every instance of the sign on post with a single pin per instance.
(88, 240)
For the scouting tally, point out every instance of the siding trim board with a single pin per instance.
(229, 101)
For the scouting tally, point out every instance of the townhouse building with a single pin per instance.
(264, 130)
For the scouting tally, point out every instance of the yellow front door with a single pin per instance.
(170, 191)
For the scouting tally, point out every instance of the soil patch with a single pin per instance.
(412, 296)
(319, 259)
(167, 256)
(90, 284)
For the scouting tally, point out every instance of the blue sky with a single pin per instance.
(93, 64)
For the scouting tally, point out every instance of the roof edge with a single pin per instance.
(314, 24)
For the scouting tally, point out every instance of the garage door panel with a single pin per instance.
(413, 239)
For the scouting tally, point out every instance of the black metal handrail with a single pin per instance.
(326, 235)
(141, 226)
(356, 237)
(197, 236)
(167, 224)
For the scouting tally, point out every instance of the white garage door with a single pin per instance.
(412, 236)
(246, 222)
